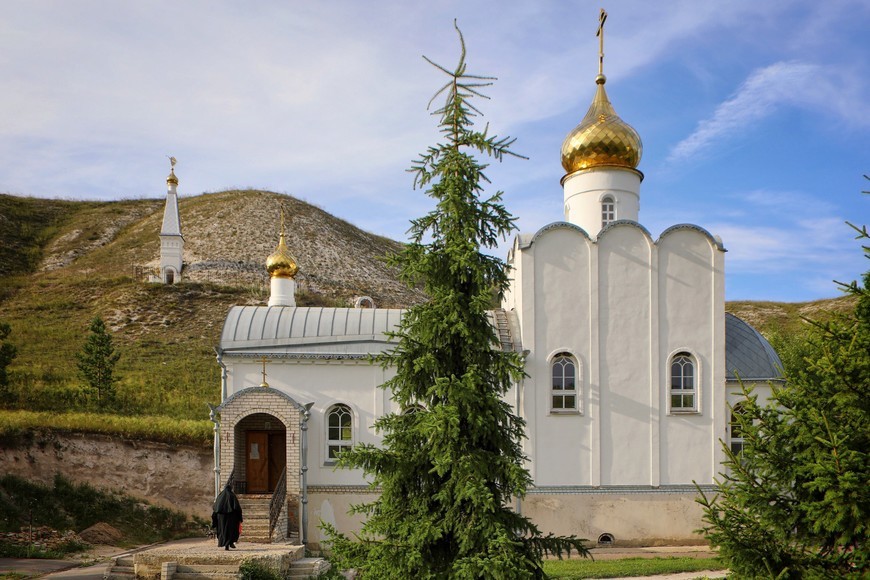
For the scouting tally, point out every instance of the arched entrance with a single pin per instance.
(260, 451)
(263, 439)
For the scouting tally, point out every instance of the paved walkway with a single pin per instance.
(91, 565)
(101, 555)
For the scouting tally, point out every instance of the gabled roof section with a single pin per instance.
(748, 355)
(346, 332)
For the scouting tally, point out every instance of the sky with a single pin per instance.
(754, 116)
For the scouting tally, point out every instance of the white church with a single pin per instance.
(632, 364)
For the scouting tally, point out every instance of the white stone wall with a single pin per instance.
(631, 517)
(622, 306)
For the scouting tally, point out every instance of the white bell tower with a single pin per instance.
(171, 240)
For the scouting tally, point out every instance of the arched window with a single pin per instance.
(411, 409)
(339, 431)
(564, 383)
(735, 432)
(684, 397)
(608, 210)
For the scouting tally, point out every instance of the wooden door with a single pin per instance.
(257, 461)
(277, 458)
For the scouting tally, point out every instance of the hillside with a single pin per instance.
(64, 262)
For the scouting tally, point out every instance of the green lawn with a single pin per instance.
(576, 569)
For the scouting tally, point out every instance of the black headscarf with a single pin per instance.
(226, 502)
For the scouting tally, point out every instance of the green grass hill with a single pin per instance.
(64, 262)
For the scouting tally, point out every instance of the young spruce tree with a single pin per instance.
(96, 363)
(451, 464)
(8, 352)
(796, 502)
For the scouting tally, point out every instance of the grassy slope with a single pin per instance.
(165, 333)
(166, 353)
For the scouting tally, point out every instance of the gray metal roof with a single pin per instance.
(747, 353)
(322, 331)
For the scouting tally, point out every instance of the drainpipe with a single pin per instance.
(217, 448)
(220, 361)
(303, 426)
(520, 383)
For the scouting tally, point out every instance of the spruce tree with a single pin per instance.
(8, 352)
(96, 363)
(451, 464)
(796, 502)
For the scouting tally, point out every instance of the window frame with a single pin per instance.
(564, 358)
(693, 393)
(340, 444)
(735, 441)
(608, 210)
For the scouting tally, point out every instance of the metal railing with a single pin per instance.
(277, 502)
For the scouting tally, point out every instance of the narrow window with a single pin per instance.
(564, 383)
(736, 433)
(339, 426)
(683, 394)
(608, 210)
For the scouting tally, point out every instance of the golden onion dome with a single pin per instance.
(601, 139)
(281, 263)
(171, 179)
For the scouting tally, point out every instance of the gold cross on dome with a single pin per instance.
(600, 34)
(264, 360)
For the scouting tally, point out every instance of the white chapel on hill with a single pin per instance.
(171, 240)
(631, 361)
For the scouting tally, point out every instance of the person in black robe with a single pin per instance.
(226, 518)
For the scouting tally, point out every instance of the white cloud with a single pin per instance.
(781, 84)
(755, 99)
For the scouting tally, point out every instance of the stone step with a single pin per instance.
(121, 569)
(205, 575)
(206, 571)
(307, 568)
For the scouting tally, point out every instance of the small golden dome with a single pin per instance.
(601, 139)
(281, 263)
(172, 180)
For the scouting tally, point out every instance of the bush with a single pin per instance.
(253, 570)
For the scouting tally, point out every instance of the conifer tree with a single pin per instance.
(96, 363)
(451, 464)
(8, 352)
(796, 502)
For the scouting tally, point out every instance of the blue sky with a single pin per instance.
(755, 116)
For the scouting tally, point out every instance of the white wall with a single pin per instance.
(325, 383)
(622, 306)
